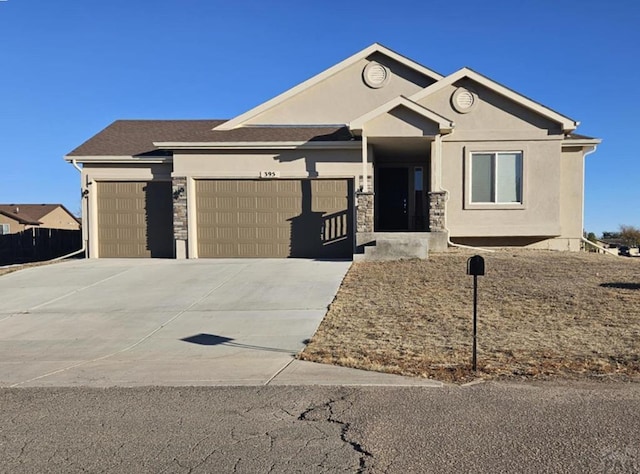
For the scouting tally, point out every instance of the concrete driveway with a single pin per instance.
(160, 322)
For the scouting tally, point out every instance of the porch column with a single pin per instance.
(180, 219)
(437, 196)
(364, 196)
(365, 150)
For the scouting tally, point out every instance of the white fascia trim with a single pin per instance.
(374, 48)
(119, 159)
(294, 125)
(444, 123)
(581, 142)
(256, 145)
(568, 125)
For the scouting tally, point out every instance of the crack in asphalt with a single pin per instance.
(325, 412)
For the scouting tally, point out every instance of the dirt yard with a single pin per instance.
(541, 314)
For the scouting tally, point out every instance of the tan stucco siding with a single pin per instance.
(572, 192)
(343, 96)
(493, 118)
(288, 163)
(126, 171)
(538, 216)
(14, 225)
(59, 219)
(400, 122)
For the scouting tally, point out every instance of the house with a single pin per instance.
(374, 147)
(15, 218)
(619, 246)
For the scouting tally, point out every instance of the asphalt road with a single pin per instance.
(559, 427)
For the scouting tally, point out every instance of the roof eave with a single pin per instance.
(19, 219)
(285, 145)
(581, 142)
(568, 125)
(445, 125)
(368, 51)
(118, 159)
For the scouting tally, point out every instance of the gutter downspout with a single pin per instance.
(582, 238)
(75, 165)
(83, 248)
(438, 143)
(607, 251)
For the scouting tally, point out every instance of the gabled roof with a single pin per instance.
(139, 137)
(374, 48)
(444, 123)
(18, 218)
(568, 124)
(30, 213)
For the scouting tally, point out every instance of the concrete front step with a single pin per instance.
(397, 247)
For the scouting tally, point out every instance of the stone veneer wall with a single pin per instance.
(179, 208)
(437, 203)
(364, 213)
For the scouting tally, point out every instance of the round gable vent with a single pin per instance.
(464, 100)
(375, 75)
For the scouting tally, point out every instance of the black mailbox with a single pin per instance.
(475, 266)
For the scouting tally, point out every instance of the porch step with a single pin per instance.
(396, 248)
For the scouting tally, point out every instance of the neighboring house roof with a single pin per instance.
(137, 137)
(613, 242)
(568, 124)
(374, 48)
(30, 214)
(19, 218)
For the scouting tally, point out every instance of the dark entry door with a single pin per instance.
(392, 192)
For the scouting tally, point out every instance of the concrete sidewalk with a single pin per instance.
(104, 323)
(300, 372)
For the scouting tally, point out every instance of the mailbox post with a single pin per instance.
(475, 267)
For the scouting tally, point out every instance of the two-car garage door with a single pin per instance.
(274, 218)
(234, 218)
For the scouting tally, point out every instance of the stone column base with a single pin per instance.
(437, 204)
(180, 221)
(364, 211)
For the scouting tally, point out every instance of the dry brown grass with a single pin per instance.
(540, 314)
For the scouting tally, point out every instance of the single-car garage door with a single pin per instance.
(275, 218)
(135, 219)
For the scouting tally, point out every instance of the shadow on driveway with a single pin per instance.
(214, 340)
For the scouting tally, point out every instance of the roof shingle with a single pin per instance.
(136, 137)
(28, 213)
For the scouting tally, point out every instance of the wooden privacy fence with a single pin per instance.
(37, 245)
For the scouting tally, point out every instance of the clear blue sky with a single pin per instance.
(68, 68)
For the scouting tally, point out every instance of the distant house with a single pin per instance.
(16, 218)
(618, 246)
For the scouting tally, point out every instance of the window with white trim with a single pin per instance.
(496, 177)
(4, 229)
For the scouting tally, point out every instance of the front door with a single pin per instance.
(392, 194)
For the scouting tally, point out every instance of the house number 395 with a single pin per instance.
(269, 174)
